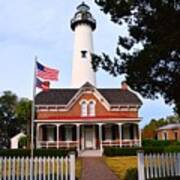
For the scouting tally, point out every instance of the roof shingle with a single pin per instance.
(63, 96)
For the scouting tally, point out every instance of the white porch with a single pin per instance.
(94, 136)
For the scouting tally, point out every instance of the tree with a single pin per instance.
(14, 116)
(149, 131)
(23, 113)
(150, 56)
(8, 102)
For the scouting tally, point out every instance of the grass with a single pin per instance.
(78, 167)
(120, 164)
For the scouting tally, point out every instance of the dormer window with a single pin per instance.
(91, 108)
(84, 108)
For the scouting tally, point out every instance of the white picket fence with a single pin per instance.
(158, 165)
(44, 168)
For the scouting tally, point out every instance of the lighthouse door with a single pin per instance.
(89, 135)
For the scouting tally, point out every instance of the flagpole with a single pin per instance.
(32, 120)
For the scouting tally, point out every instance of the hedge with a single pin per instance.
(153, 142)
(116, 151)
(37, 152)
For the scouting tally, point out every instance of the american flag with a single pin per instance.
(42, 85)
(46, 72)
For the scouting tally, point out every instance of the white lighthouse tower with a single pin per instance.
(83, 24)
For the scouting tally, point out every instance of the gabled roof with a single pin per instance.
(63, 96)
(170, 126)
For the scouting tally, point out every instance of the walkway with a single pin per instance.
(95, 169)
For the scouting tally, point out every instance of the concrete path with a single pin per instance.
(95, 169)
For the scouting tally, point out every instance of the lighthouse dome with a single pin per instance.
(83, 16)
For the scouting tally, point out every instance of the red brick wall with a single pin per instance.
(170, 134)
(75, 111)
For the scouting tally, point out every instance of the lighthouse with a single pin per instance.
(83, 24)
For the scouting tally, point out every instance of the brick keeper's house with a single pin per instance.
(85, 116)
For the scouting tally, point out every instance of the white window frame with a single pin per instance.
(91, 108)
(84, 107)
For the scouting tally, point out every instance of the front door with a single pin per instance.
(89, 135)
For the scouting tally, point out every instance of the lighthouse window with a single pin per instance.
(84, 54)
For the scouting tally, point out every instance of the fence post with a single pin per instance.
(178, 164)
(141, 175)
(72, 165)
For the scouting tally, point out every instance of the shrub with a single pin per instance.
(37, 152)
(153, 149)
(131, 174)
(23, 141)
(153, 142)
(172, 148)
(116, 151)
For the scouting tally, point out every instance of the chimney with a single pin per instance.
(124, 85)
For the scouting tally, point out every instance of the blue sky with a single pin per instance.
(30, 28)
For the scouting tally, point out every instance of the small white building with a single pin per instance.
(15, 140)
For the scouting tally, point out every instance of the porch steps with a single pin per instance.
(90, 153)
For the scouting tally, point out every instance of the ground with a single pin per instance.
(120, 164)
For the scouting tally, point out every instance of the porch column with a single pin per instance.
(100, 136)
(120, 134)
(140, 138)
(78, 136)
(37, 135)
(57, 135)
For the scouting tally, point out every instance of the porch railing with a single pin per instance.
(124, 143)
(56, 144)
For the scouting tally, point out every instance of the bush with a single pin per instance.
(153, 142)
(131, 174)
(23, 142)
(153, 149)
(116, 151)
(37, 152)
(172, 148)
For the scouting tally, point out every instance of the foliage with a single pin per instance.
(23, 142)
(116, 151)
(8, 102)
(150, 55)
(14, 114)
(23, 112)
(149, 131)
(37, 152)
(131, 174)
(149, 142)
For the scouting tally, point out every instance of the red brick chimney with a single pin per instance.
(124, 85)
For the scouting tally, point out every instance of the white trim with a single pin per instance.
(89, 120)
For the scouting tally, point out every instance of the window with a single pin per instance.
(83, 53)
(164, 135)
(91, 108)
(175, 135)
(84, 108)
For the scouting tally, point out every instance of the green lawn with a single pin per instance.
(120, 164)
(78, 167)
